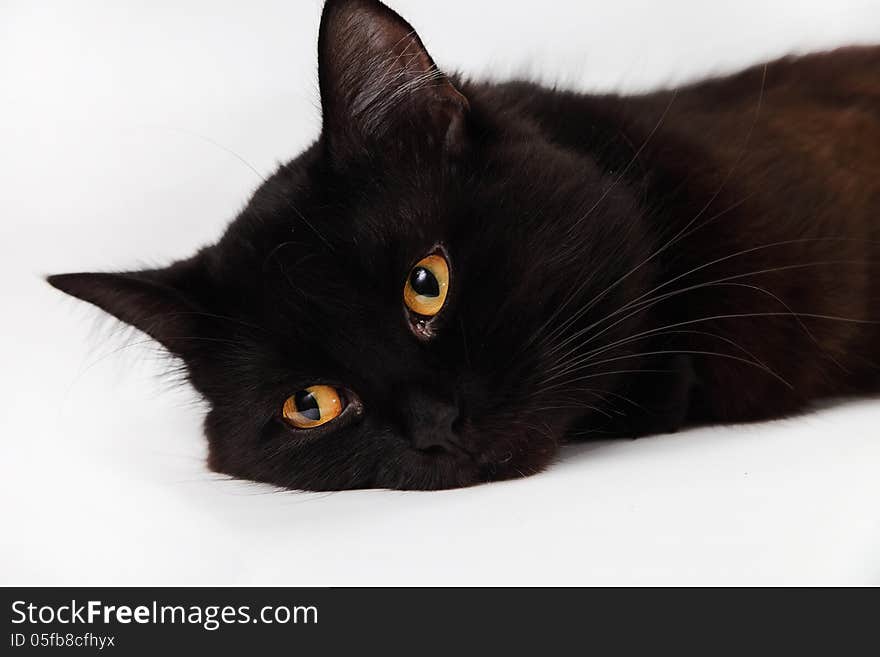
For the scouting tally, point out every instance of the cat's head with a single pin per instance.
(398, 306)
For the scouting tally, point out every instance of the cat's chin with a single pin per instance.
(515, 456)
(481, 457)
(511, 455)
(450, 471)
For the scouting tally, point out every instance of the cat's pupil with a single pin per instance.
(424, 283)
(307, 405)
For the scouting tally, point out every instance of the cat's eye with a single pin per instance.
(313, 407)
(427, 285)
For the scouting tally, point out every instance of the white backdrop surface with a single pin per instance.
(123, 130)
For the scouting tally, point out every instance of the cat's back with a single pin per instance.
(786, 172)
(824, 107)
(799, 137)
(774, 175)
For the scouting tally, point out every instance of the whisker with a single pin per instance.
(632, 161)
(676, 237)
(575, 293)
(686, 352)
(754, 315)
(591, 354)
(611, 373)
(650, 303)
(226, 149)
(736, 255)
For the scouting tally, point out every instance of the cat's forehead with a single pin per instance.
(304, 251)
(348, 221)
(342, 243)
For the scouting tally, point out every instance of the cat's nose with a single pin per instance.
(431, 421)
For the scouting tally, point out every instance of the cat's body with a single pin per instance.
(776, 168)
(457, 277)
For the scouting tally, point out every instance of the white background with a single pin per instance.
(117, 125)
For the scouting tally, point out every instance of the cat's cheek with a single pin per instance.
(518, 461)
(415, 470)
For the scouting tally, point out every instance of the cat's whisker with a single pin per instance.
(708, 204)
(756, 315)
(585, 358)
(651, 302)
(226, 318)
(582, 286)
(661, 331)
(730, 257)
(672, 352)
(583, 310)
(572, 406)
(626, 169)
(573, 351)
(722, 281)
(565, 384)
(608, 404)
(223, 148)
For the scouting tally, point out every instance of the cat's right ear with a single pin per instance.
(379, 85)
(161, 303)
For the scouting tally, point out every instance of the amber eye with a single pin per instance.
(427, 285)
(313, 407)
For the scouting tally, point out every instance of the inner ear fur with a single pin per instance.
(376, 78)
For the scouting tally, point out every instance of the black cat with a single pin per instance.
(456, 277)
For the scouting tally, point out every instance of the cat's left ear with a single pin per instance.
(378, 83)
(163, 303)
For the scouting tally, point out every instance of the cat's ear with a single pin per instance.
(161, 303)
(376, 77)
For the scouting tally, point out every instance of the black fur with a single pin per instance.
(609, 263)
